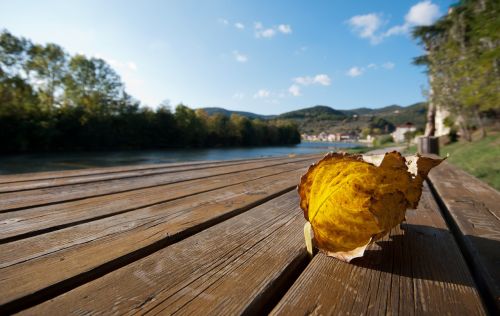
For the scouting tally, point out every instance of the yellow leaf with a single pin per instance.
(350, 202)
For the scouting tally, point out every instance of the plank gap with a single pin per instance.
(87, 220)
(485, 295)
(84, 196)
(155, 171)
(73, 282)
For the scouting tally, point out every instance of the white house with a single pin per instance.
(399, 134)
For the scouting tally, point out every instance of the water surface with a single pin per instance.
(10, 164)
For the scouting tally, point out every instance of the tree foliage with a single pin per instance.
(50, 100)
(463, 61)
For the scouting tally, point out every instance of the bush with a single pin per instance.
(383, 139)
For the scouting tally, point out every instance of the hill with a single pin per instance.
(322, 118)
(318, 112)
(216, 110)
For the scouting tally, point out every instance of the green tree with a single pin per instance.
(49, 66)
(94, 85)
(463, 61)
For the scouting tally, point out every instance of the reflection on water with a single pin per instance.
(65, 161)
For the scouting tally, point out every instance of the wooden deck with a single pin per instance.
(226, 237)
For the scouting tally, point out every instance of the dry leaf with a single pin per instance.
(350, 202)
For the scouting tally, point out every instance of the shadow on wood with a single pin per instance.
(418, 243)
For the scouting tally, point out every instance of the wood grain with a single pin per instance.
(417, 270)
(473, 208)
(33, 176)
(30, 198)
(37, 220)
(71, 252)
(225, 270)
(121, 173)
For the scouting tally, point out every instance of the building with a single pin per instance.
(399, 134)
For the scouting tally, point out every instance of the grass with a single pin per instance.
(364, 149)
(480, 158)
(358, 150)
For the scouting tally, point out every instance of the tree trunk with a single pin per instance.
(479, 123)
(430, 126)
(464, 132)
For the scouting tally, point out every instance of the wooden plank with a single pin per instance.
(105, 170)
(17, 200)
(418, 270)
(124, 173)
(44, 175)
(33, 221)
(84, 249)
(473, 209)
(228, 269)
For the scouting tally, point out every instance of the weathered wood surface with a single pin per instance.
(226, 269)
(416, 270)
(40, 219)
(59, 178)
(473, 208)
(28, 198)
(209, 238)
(72, 251)
(14, 178)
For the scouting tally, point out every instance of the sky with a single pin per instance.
(267, 57)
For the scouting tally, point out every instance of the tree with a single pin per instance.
(49, 65)
(52, 101)
(94, 85)
(463, 61)
(13, 55)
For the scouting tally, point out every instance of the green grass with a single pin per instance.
(480, 158)
(364, 149)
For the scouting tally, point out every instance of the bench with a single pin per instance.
(227, 238)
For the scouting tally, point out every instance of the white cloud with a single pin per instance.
(305, 81)
(267, 33)
(285, 28)
(294, 90)
(397, 30)
(261, 31)
(320, 79)
(423, 13)
(239, 57)
(238, 95)
(261, 94)
(239, 25)
(366, 26)
(355, 71)
(388, 65)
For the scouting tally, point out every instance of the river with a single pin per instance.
(10, 164)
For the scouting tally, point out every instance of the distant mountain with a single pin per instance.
(322, 118)
(215, 110)
(318, 112)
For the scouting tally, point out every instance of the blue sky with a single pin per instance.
(266, 57)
